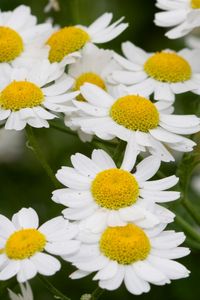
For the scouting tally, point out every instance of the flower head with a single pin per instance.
(164, 73)
(66, 43)
(23, 245)
(99, 194)
(132, 116)
(131, 254)
(183, 15)
(25, 97)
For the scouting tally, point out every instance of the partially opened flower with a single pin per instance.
(23, 245)
(164, 73)
(22, 41)
(131, 116)
(26, 291)
(66, 43)
(183, 15)
(25, 97)
(131, 254)
(99, 194)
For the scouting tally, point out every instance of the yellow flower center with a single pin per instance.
(195, 4)
(135, 113)
(91, 78)
(125, 245)
(24, 243)
(21, 94)
(115, 189)
(168, 67)
(11, 44)
(66, 41)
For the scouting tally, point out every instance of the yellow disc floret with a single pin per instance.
(168, 67)
(66, 41)
(11, 44)
(90, 78)
(195, 4)
(21, 94)
(24, 243)
(115, 189)
(125, 245)
(135, 113)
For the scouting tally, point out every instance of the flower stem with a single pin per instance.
(36, 149)
(193, 211)
(194, 234)
(97, 293)
(58, 294)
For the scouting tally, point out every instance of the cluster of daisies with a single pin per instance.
(113, 223)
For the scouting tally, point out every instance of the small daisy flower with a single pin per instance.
(94, 66)
(22, 245)
(101, 195)
(132, 116)
(25, 97)
(66, 43)
(131, 254)
(21, 39)
(164, 73)
(26, 291)
(183, 15)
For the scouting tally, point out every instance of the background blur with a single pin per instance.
(23, 182)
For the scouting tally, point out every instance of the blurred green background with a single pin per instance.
(23, 182)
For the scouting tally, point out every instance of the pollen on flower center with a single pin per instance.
(125, 245)
(90, 78)
(11, 44)
(24, 243)
(65, 41)
(168, 67)
(115, 189)
(135, 113)
(195, 4)
(21, 94)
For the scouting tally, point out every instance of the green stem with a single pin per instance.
(36, 149)
(53, 289)
(188, 228)
(119, 151)
(193, 211)
(97, 293)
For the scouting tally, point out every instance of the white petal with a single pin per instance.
(135, 284)
(130, 154)
(46, 264)
(161, 184)
(84, 165)
(69, 177)
(6, 227)
(96, 95)
(27, 270)
(26, 218)
(102, 159)
(115, 282)
(9, 270)
(108, 272)
(147, 168)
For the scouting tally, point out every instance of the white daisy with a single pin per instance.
(131, 254)
(164, 73)
(183, 15)
(21, 39)
(25, 97)
(99, 194)
(26, 291)
(94, 66)
(66, 43)
(22, 245)
(131, 116)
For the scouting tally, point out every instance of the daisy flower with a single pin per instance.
(132, 116)
(66, 43)
(101, 195)
(164, 73)
(183, 15)
(22, 245)
(26, 291)
(21, 39)
(25, 97)
(94, 66)
(131, 254)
